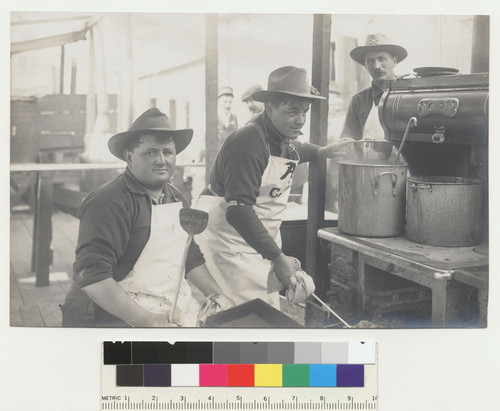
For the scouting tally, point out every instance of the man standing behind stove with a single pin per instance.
(379, 57)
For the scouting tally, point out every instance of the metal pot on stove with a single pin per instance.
(444, 211)
(372, 191)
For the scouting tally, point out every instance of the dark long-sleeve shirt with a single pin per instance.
(237, 176)
(115, 223)
(358, 111)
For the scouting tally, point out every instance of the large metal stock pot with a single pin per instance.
(444, 211)
(372, 194)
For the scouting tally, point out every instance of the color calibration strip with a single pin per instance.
(239, 364)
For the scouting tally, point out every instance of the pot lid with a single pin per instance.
(434, 71)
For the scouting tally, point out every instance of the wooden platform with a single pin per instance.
(34, 306)
(39, 306)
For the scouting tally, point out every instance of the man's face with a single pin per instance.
(153, 161)
(380, 65)
(226, 101)
(255, 107)
(289, 116)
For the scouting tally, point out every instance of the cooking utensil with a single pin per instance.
(372, 198)
(444, 211)
(330, 310)
(192, 222)
(412, 122)
(434, 71)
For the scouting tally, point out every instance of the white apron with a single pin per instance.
(237, 268)
(373, 129)
(152, 280)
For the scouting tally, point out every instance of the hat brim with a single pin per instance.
(358, 53)
(117, 143)
(264, 95)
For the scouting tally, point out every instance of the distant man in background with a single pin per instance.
(379, 57)
(255, 107)
(228, 122)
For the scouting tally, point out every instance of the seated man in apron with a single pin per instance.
(379, 57)
(130, 241)
(249, 187)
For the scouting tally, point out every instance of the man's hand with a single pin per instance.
(285, 268)
(223, 302)
(333, 150)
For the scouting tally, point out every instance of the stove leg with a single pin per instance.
(446, 299)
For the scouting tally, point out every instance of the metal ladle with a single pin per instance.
(412, 122)
(192, 222)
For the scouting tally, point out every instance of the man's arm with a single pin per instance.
(105, 227)
(109, 295)
(203, 280)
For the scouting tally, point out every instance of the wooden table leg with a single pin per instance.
(447, 297)
(439, 304)
(483, 307)
(42, 228)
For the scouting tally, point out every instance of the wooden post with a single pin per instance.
(90, 104)
(319, 123)
(42, 228)
(211, 84)
(73, 77)
(61, 72)
(480, 45)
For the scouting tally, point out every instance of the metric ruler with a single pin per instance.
(239, 398)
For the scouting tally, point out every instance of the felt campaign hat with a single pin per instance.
(152, 120)
(223, 91)
(249, 92)
(377, 42)
(288, 80)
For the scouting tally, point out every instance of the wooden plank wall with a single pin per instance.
(44, 125)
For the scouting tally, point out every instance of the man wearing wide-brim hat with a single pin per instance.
(379, 56)
(130, 242)
(248, 193)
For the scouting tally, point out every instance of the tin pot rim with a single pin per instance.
(444, 180)
(372, 163)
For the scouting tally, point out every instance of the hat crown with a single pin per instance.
(289, 79)
(376, 39)
(225, 90)
(151, 119)
(249, 91)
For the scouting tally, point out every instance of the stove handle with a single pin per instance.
(438, 136)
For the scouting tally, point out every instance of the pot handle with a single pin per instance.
(376, 189)
(416, 186)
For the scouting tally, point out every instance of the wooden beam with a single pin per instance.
(46, 42)
(319, 123)
(211, 85)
